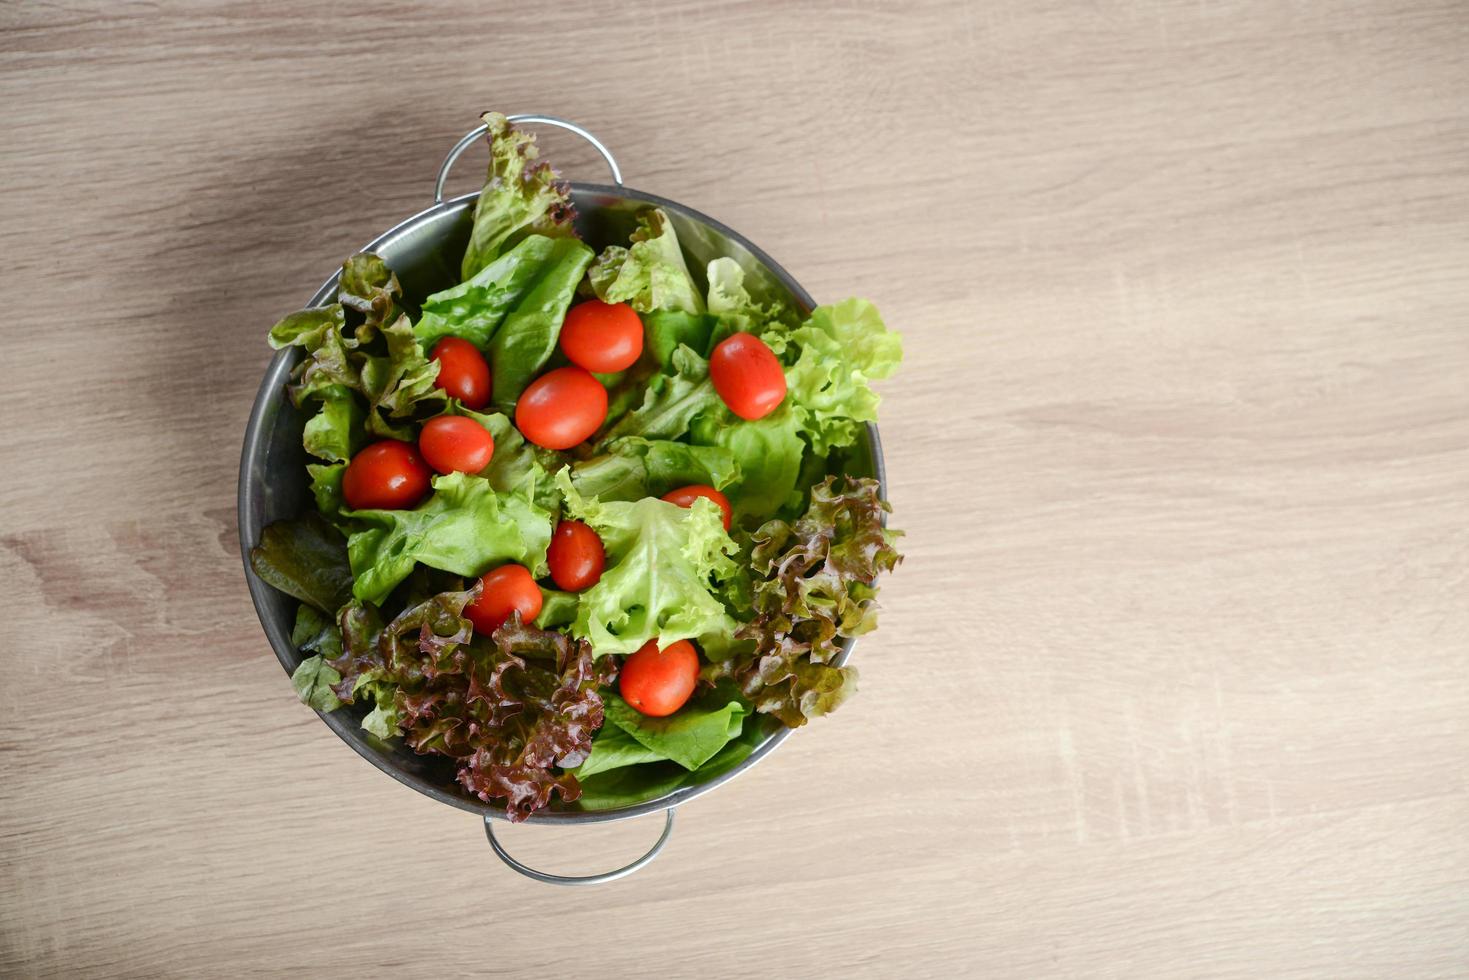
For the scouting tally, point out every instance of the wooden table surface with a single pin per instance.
(1175, 678)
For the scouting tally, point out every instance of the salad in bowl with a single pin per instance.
(581, 525)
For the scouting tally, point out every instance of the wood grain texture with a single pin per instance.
(1175, 679)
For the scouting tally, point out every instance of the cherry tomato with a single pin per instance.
(685, 497)
(561, 408)
(576, 556)
(658, 682)
(387, 475)
(507, 589)
(747, 376)
(602, 336)
(463, 372)
(453, 442)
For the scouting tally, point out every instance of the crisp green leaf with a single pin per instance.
(527, 337)
(662, 561)
(308, 328)
(633, 784)
(315, 633)
(671, 401)
(335, 432)
(690, 736)
(521, 196)
(313, 680)
(306, 558)
(667, 330)
(474, 309)
(326, 486)
(614, 748)
(633, 467)
(767, 453)
(557, 609)
(465, 528)
(841, 349)
(651, 273)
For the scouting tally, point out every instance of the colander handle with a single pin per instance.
(596, 879)
(473, 135)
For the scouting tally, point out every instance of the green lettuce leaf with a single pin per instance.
(670, 403)
(690, 736)
(841, 348)
(649, 275)
(768, 455)
(326, 486)
(633, 467)
(377, 359)
(527, 337)
(465, 528)
(613, 748)
(521, 197)
(370, 288)
(517, 466)
(475, 308)
(315, 633)
(662, 561)
(306, 558)
(335, 432)
(633, 784)
(666, 330)
(313, 680)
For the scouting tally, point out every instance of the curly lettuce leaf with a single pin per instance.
(521, 197)
(306, 558)
(841, 349)
(768, 453)
(335, 432)
(814, 587)
(662, 562)
(670, 403)
(517, 466)
(651, 273)
(370, 288)
(367, 354)
(527, 338)
(633, 467)
(465, 528)
(509, 712)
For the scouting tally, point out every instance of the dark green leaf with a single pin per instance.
(306, 558)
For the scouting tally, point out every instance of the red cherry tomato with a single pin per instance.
(463, 372)
(685, 497)
(561, 408)
(602, 336)
(747, 376)
(453, 442)
(387, 475)
(507, 589)
(658, 682)
(576, 556)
